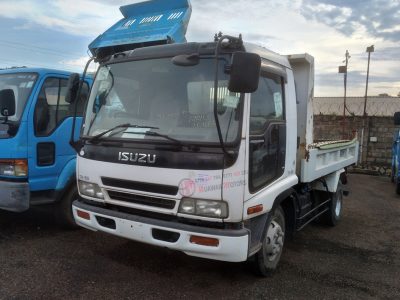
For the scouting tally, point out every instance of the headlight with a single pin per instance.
(204, 208)
(14, 167)
(90, 189)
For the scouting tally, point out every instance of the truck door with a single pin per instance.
(50, 130)
(267, 132)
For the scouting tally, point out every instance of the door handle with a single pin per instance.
(257, 142)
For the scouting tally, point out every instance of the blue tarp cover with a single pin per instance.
(155, 22)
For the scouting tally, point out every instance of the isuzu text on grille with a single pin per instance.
(137, 157)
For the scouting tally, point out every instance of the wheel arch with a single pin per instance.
(66, 179)
(287, 200)
(329, 183)
(256, 225)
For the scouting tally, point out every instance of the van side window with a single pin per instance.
(52, 109)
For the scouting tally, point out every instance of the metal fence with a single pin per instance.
(376, 106)
(374, 131)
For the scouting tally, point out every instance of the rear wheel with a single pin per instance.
(63, 210)
(267, 259)
(333, 214)
(398, 187)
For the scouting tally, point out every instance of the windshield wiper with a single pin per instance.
(126, 125)
(153, 133)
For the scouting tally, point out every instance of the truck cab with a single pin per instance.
(206, 148)
(37, 163)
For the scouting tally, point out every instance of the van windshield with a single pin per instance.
(158, 96)
(21, 84)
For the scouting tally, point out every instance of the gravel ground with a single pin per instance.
(358, 259)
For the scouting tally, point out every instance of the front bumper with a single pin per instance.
(233, 244)
(14, 196)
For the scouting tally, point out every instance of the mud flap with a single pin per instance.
(14, 196)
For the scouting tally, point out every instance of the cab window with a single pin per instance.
(51, 108)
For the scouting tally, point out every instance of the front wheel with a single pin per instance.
(63, 210)
(267, 259)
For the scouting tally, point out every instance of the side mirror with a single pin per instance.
(7, 103)
(397, 118)
(245, 72)
(72, 88)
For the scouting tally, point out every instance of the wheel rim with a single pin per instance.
(274, 240)
(338, 207)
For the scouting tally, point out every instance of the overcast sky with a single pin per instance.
(56, 33)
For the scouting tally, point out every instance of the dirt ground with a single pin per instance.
(358, 259)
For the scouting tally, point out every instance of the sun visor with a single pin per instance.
(144, 24)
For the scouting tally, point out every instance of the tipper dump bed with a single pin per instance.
(315, 160)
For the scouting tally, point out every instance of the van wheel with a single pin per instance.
(267, 259)
(63, 212)
(332, 216)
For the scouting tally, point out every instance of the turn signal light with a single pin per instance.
(14, 167)
(255, 209)
(204, 241)
(83, 214)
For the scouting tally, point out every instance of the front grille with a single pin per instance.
(140, 186)
(143, 200)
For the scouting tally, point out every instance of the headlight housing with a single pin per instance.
(90, 189)
(14, 167)
(204, 208)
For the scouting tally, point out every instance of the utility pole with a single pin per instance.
(343, 69)
(364, 130)
(369, 50)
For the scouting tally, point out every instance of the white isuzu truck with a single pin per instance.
(206, 148)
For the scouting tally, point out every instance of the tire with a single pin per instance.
(398, 187)
(333, 214)
(266, 260)
(63, 210)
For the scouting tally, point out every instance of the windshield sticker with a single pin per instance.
(231, 101)
(278, 104)
(134, 132)
(103, 73)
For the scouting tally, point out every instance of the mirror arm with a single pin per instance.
(219, 43)
(77, 145)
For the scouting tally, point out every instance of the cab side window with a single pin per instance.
(52, 109)
(267, 133)
(266, 103)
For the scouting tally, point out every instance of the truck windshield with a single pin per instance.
(171, 100)
(21, 84)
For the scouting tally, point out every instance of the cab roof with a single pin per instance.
(33, 70)
(41, 71)
(170, 50)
